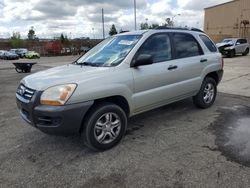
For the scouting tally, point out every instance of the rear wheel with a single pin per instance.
(18, 70)
(246, 52)
(207, 94)
(104, 126)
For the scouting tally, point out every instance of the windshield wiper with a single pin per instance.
(84, 63)
(87, 64)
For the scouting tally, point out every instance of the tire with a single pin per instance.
(98, 133)
(18, 70)
(246, 52)
(231, 54)
(204, 99)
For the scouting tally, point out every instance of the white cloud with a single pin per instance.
(199, 5)
(183, 3)
(78, 17)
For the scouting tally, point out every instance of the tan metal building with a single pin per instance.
(230, 19)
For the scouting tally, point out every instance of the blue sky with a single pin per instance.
(81, 18)
(174, 4)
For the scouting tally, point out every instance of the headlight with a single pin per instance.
(229, 48)
(57, 95)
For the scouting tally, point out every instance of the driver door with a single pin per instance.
(151, 81)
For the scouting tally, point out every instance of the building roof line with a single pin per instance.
(221, 4)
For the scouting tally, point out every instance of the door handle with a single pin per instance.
(203, 60)
(172, 67)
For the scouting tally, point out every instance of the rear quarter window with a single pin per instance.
(209, 44)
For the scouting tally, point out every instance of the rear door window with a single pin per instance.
(186, 46)
(209, 44)
(243, 41)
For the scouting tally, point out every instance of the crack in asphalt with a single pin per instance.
(236, 78)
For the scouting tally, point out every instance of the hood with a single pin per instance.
(63, 75)
(224, 44)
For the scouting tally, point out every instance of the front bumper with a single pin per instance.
(56, 120)
(225, 52)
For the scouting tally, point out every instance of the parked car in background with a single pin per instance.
(65, 51)
(84, 49)
(8, 55)
(1, 54)
(232, 46)
(14, 51)
(20, 52)
(32, 55)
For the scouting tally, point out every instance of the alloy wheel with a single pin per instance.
(107, 128)
(208, 93)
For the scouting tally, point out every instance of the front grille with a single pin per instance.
(25, 92)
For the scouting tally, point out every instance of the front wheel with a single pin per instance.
(207, 94)
(231, 54)
(104, 127)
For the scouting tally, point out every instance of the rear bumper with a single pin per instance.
(56, 120)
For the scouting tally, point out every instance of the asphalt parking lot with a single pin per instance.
(174, 146)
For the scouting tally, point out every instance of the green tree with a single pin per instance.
(62, 38)
(147, 26)
(67, 42)
(113, 30)
(15, 40)
(144, 26)
(169, 22)
(31, 34)
(153, 26)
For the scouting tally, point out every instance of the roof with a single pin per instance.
(164, 28)
(233, 1)
(233, 38)
(139, 32)
(179, 28)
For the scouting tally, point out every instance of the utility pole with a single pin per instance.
(103, 32)
(135, 13)
(93, 30)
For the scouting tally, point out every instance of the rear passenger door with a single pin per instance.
(190, 60)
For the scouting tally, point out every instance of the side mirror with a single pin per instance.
(141, 60)
(237, 43)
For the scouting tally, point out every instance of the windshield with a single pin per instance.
(110, 52)
(227, 41)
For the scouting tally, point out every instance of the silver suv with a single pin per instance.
(232, 46)
(124, 75)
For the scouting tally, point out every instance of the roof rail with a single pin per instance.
(180, 28)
